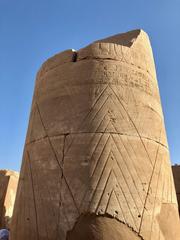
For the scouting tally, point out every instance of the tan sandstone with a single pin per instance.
(96, 160)
(8, 188)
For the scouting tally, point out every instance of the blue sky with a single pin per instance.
(32, 31)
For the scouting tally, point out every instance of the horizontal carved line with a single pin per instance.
(79, 133)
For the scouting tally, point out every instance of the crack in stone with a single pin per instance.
(62, 176)
(79, 133)
(149, 187)
(34, 199)
(75, 59)
(56, 157)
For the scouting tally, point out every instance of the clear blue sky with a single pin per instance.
(33, 30)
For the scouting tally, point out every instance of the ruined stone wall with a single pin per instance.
(8, 188)
(96, 152)
(176, 174)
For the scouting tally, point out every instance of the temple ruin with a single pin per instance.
(96, 161)
(8, 188)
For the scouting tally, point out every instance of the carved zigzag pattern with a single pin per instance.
(104, 170)
(117, 185)
(114, 188)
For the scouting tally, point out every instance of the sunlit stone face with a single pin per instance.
(96, 145)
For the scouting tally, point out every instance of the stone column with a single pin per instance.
(8, 187)
(96, 161)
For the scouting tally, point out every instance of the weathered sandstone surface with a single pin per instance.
(8, 188)
(96, 160)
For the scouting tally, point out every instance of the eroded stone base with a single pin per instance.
(93, 227)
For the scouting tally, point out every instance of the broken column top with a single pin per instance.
(132, 47)
(7, 172)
